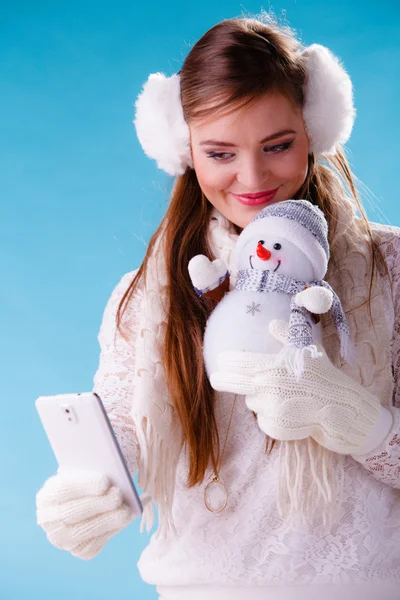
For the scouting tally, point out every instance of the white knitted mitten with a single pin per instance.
(80, 511)
(317, 300)
(206, 274)
(325, 404)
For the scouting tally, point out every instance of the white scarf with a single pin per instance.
(158, 428)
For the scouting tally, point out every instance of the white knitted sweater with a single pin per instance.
(248, 544)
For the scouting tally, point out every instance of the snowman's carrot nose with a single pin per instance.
(262, 252)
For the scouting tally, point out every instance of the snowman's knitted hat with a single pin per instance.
(300, 222)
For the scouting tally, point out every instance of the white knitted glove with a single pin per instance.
(325, 404)
(80, 511)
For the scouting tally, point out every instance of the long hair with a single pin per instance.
(233, 64)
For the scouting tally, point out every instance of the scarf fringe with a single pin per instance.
(307, 483)
(157, 472)
(348, 350)
(293, 358)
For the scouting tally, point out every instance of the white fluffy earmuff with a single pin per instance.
(160, 126)
(328, 112)
(328, 109)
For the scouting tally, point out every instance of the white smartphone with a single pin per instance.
(81, 436)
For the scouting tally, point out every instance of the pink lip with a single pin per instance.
(254, 199)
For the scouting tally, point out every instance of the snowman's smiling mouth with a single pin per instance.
(251, 265)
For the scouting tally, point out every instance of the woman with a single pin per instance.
(252, 119)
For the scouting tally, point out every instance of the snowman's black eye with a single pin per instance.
(262, 242)
(277, 246)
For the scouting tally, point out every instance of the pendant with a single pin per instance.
(215, 496)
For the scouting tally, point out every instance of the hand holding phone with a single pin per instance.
(92, 497)
(80, 511)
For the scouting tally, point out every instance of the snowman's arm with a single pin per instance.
(209, 278)
(315, 299)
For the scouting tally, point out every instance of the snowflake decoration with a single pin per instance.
(253, 308)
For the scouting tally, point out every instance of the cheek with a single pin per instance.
(294, 166)
(211, 175)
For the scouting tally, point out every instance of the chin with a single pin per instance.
(241, 223)
(242, 220)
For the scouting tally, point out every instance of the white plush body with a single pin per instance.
(240, 321)
(233, 326)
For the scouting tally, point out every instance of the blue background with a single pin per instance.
(79, 201)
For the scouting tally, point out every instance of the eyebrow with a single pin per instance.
(269, 138)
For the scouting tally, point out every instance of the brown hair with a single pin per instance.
(234, 63)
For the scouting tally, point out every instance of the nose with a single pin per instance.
(252, 174)
(262, 252)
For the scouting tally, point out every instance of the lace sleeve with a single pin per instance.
(113, 380)
(384, 461)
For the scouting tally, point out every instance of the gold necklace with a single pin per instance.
(215, 493)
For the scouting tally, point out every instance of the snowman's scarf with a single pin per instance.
(300, 338)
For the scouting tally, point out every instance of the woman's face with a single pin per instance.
(251, 157)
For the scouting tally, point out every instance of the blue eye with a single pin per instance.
(226, 156)
(278, 148)
(219, 155)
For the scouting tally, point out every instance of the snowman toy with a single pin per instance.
(281, 258)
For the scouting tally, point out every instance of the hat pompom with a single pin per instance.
(328, 110)
(160, 125)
